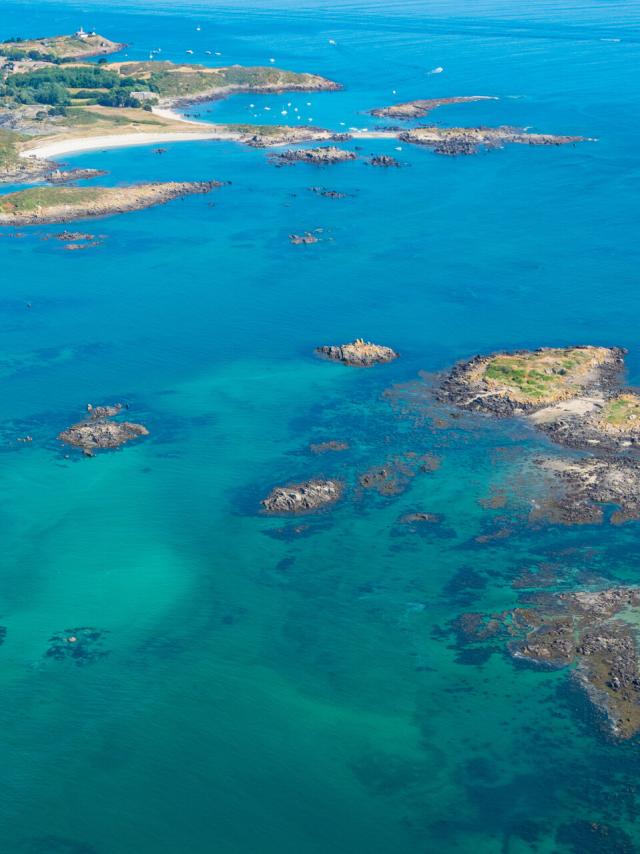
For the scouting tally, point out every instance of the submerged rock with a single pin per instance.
(82, 645)
(325, 447)
(360, 353)
(303, 497)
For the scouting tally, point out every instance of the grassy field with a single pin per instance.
(622, 413)
(9, 149)
(546, 375)
(36, 198)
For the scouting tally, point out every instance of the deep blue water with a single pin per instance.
(303, 693)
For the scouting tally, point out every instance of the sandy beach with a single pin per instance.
(74, 145)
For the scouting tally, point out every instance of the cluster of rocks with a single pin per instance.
(359, 353)
(384, 160)
(327, 194)
(579, 488)
(100, 430)
(65, 176)
(321, 156)
(303, 497)
(303, 239)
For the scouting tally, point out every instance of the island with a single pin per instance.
(507, 384)
(303, 497)
(45, 205)
(421, 107)
(100, 430)
(358, 354)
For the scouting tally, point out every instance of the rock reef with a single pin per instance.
(592, 632)
(358, 354)
(303, 497)
(454, 141)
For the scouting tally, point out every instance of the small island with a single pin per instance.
(358, 354)
(40, 205)
(100, 430)
(421, 107)
(461, 140)
(303, 497)
(507, 384)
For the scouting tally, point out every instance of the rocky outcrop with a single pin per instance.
(359, 353)
(303, 497)
(99, 430)
(385, 161)
(321, 156)
(307, 237)
(419, 108)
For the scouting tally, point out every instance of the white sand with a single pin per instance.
(91, 143)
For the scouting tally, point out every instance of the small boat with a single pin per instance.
(271, 59)
(189, 51)
(332, 41)
(437, 70)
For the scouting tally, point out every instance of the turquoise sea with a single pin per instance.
(303, 693)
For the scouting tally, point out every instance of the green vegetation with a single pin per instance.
(92, 84)
(539, 375)
(623, 412)
(28, 201)
(9, 149)
(173, 81)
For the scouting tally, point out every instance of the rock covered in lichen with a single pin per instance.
(303, 497)
(359, 353)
